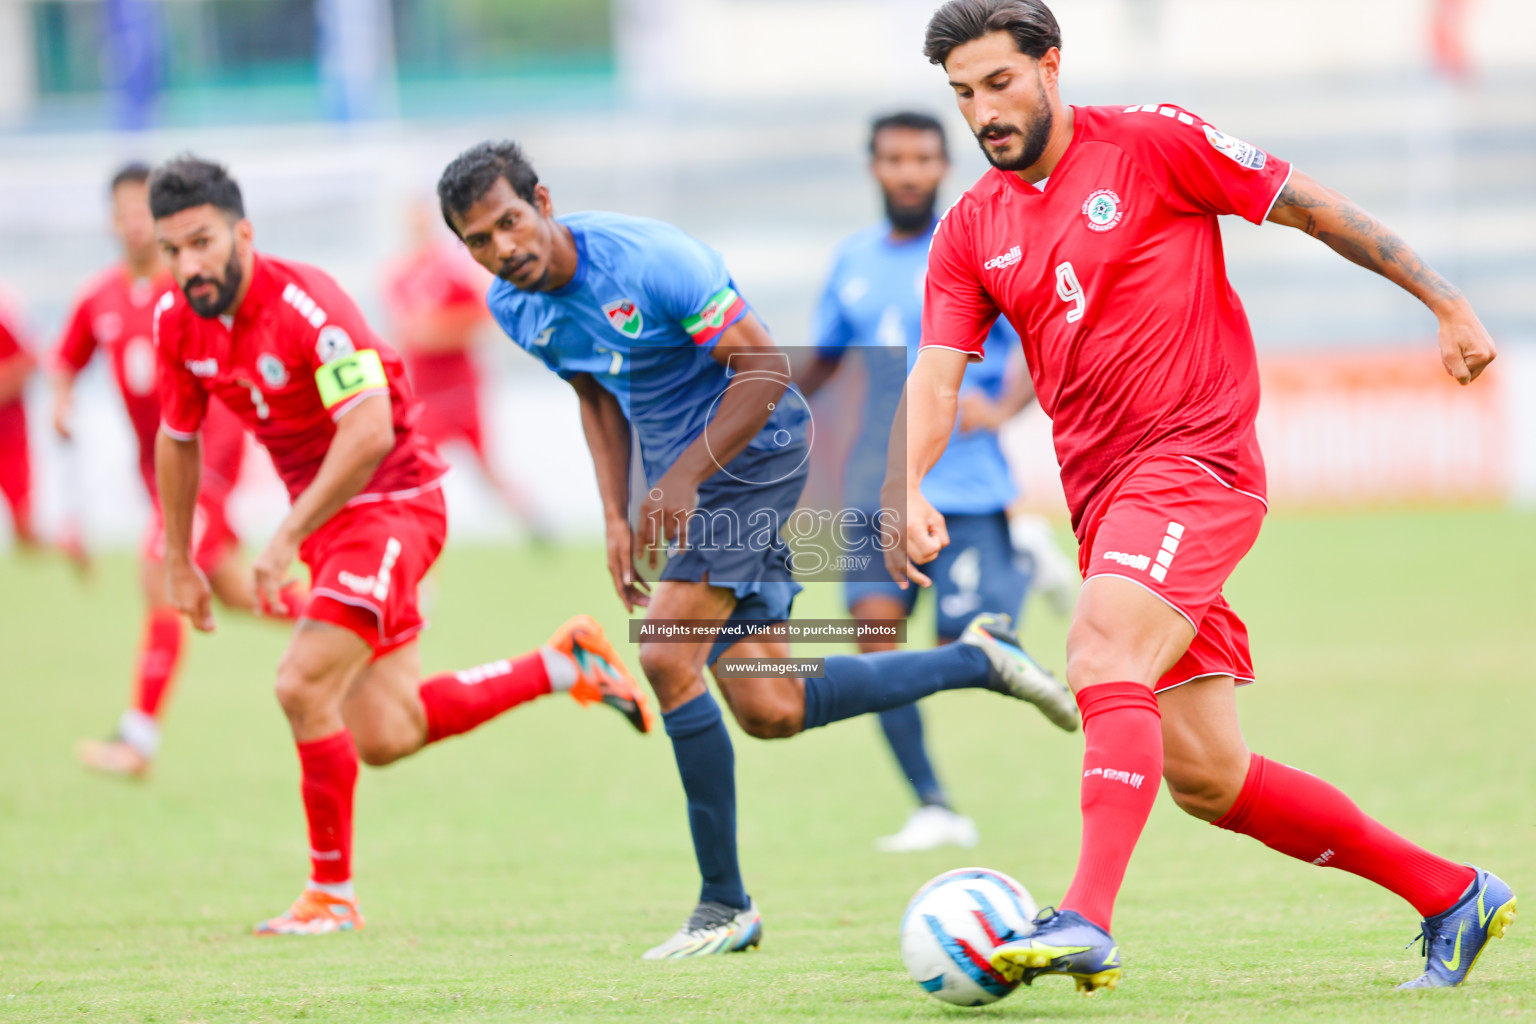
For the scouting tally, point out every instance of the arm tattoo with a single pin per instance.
(1357, 236)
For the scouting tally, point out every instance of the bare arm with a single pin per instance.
(608, 439)
(13, 376)
(178, 472)
(815, 374)
(919, 435)
(63, 402)
(364, 435)
(977, 412)
(739, 414)
(1465, 346)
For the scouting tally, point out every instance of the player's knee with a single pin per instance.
(668, 669)
(768, 720)
(301, 685)
(377, 751)
(1202, 790)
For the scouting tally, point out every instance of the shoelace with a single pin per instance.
(709, 915)
(1425, 939)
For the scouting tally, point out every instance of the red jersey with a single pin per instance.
(1113, 276)
(437, 278)
(116, 312)
(295, 357)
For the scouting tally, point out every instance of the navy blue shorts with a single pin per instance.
(735, 539)
(976, 572)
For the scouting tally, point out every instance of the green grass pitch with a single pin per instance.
(516, 874)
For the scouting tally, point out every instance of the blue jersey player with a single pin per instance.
(647, 326)
(872, 303)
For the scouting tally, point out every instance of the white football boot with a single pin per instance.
(712, 928)
(928, 828)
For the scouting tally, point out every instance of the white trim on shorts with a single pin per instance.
(378, 613)
(1239, 680)
(1148, 589)
(1239, 490)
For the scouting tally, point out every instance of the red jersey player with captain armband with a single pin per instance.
(288, 351)
(115, 313)
(1096, 235)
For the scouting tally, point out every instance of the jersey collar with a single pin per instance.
(577, 279)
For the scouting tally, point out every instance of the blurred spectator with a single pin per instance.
(435, 294)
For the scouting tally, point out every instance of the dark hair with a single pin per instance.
(910, 120)
(1030, 22)
(133, 173)
(186, 181)
(470, 176)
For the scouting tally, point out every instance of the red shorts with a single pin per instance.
(1172, 526)
(212, 536)
(366, 562)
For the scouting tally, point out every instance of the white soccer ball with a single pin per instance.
(953, 924)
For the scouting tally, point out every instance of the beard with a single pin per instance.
(910, 218)
(224, 294)
(1035, 140)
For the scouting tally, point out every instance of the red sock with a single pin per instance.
(1121, 770)
(458, 701)
(1304, 817)
(159, 654)
(329, 765)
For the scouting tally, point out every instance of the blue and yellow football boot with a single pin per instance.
(1453, 940)
(1063, 942)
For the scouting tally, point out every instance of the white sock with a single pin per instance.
(561, 669)
(342, 889)
(140, 732)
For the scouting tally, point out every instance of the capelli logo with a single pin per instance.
(1004, 261)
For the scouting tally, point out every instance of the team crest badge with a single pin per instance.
(1102, 208)
(272, 370)
(1245, 153)
(624, 316)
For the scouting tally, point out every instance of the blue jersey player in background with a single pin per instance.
(872, 303)
(647, 326)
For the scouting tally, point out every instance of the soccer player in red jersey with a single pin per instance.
(289, 352)
(115, 312)
(1096, 235)
(435, 295)
(16, 366)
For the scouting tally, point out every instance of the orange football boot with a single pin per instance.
(113, 757)
(315, 913)
(603, 677)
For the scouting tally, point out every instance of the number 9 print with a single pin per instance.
(1069, 290)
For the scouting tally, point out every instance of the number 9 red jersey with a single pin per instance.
(1113, 275)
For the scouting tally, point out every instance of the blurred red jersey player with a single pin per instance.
(289, 352)
(115, 312)
(435, 295)
(16, 365)
(1096, 234)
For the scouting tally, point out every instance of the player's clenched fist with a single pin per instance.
(1466, 348)
(189, 593)
(924, 533)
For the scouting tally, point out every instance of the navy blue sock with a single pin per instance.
(904, 732)
(860, 683)
(707, 765)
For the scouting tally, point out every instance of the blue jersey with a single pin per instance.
(873, 300)
(642, 315)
